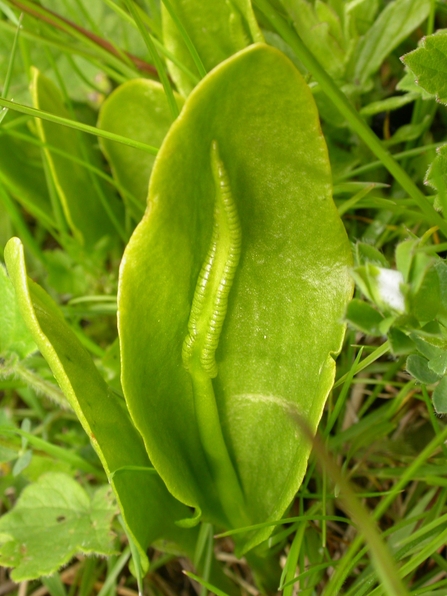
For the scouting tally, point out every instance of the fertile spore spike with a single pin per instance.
(210, 301)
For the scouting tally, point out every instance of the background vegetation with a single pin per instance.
(386, 441)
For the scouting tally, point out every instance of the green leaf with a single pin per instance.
(366, 253)
(265, 206)
(389, 104)
(394, 24)
(441, 268)
(426, 346)
(21, 171)
(404, 257)
(418, 367)
(364, 317)
(436, 176)
(139, 110)
(400, 342)
(148, 509)
(382, 286)
(408, 84)
(216, 29)
(14, 335)
(440, 396)
(428, 64)
(53, 520)
(425, 298)
(439, 364)
(91, 210)
(320, 30)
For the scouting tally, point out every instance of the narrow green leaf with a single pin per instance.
(316, 32)
(398, 19)
(366, 253)
(155, 58)
(269, 199)
(22, 173)
(47, 116)
(53, 520)
(89, 219)
(389, 104)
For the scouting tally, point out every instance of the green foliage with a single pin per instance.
(215, 30)
(53, 520)
(232, 295)
(15, 337)
(245, 398)
(139, 110)
(410, 305)
(428, 64)
(138, 489)
(98, 213)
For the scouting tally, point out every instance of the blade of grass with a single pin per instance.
(122, 61)
(92, 130)
(114, 572)
(378, 352)
(66, 48)
(205, 584)
(349, 558)
(349, 113)
(81, 162)
(20, 225)
(381, 556)
(59, 453)
(11, 61)
(192, 50)
(155, 58)
(93, 179)
(159, 46)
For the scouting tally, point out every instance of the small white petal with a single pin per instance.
(388, 285)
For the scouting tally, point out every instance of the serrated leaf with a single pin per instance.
(429, 63)
(53, 520)
(139, 110)
(291, 286)
(418, 367)
(440, 396)
(14, 335)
